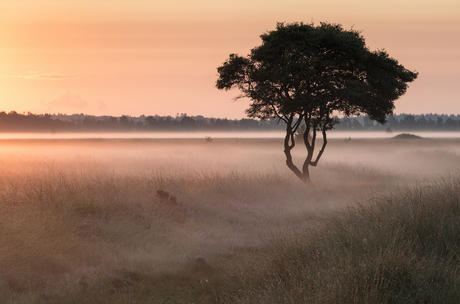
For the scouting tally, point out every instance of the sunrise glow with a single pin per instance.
(146, 57)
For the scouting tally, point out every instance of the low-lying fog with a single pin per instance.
(240, 179)
(419, 158)
(198, 135)
(80, 210)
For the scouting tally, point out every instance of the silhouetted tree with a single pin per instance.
(188, 123)
(111, 123)
(368, 123)
(439, 123)
(202, 123)
(451, 124)
(303, 73)
(222, 124)
(356, 125)
(430, 124)
(151, 122)
(167, 123)
(345, 123)
(125, 122)
(392, 122)
(421, 123)
(17, 122)
(248, 124)
(408, 122)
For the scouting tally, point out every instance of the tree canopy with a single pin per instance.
(302, 73)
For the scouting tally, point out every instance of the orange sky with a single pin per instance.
(133, 57)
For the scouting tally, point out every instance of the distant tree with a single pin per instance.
(356, 125)
(139, 125)
(222, 124)
(345, 123)
(439, 123)
(111, 123)
(125, 122)
(88, 123)
(392, 122)
(202, 123)
(408, 122)
(248, 124)
(368, 123)
(430, 124)
(302, 73)
(187, 123)
(167, 122)
(451, 124)
(421, 122)
(151, 122)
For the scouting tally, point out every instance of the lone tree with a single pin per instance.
(305, 74)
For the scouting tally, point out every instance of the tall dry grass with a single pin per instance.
(195, 222)
(402, 247)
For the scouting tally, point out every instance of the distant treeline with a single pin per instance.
(16, 122)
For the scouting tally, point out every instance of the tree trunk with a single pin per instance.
(289, 144)
(303, 176)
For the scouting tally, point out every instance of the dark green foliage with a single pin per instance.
(303, 69)
(306, 73)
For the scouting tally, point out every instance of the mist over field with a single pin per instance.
(172, 220)
(342, 134)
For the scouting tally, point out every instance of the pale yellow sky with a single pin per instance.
(160, 57)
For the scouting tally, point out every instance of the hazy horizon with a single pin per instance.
(262, 134)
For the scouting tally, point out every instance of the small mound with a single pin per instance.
(406, 136)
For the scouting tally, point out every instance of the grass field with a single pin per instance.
(189, 221)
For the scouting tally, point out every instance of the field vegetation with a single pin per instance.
(223, 221)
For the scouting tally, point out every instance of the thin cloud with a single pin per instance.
(36, 75)
(69, 101)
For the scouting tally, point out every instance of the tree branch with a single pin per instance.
(297, 123)
(289, 135)
(276, 113)
(314, 163)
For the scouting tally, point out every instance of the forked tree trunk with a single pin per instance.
(289, 144)
(304, 175)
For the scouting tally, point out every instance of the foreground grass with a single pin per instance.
(101, 237)
(400, 248)
(110, 228)
(113, 240)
